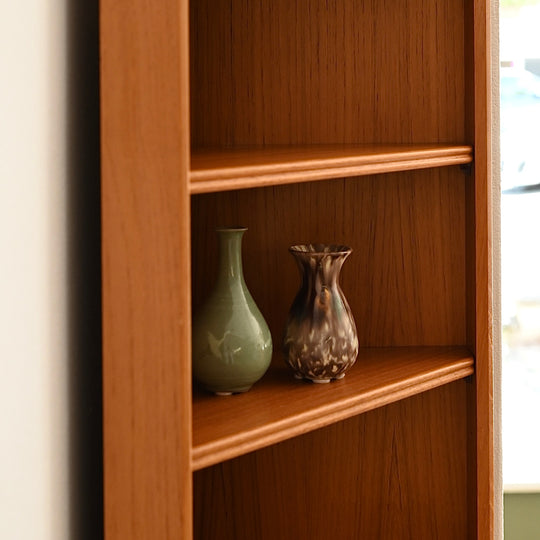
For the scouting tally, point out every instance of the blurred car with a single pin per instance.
(520, 130)
(519, 82)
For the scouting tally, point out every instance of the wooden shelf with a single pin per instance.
(280, 407)
(240, 168)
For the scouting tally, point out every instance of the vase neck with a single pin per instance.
(230, 255)
(321, 272)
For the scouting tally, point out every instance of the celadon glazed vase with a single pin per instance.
(321, 342)
(232, 345)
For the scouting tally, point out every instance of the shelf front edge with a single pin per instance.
(242, 443)
(227, 178)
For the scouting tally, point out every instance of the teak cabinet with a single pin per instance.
(363, 122)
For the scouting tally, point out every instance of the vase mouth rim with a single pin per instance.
(234, 228)
(320, 249)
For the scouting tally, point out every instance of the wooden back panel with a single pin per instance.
(405, 280)
(313, 72)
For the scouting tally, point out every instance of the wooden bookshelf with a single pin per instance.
(364, 123)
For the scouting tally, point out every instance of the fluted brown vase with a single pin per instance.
(320, 342)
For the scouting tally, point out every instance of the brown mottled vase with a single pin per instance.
(320, 341)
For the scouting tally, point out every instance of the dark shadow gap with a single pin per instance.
(84, 271)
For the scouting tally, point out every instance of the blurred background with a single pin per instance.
(520, 264)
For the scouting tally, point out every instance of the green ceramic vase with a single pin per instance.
(232, 345)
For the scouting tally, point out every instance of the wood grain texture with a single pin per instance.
(399, 472)
(213, 171)
(146, 303)
(318, 72)
(405, 280)
(279, 407)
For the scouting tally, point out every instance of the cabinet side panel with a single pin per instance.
(479, 235)
(313, 72)
(399, 472)
(405, 280)
(146, 273)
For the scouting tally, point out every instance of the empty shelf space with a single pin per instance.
(279, 407)
(240, 168)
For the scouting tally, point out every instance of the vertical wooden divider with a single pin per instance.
(146, 270)
(483, 266)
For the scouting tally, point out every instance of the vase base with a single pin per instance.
(231, 392)
(319, 381)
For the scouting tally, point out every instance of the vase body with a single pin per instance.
(232, 346)
(320, 342)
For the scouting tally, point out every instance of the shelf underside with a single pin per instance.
(279, 407)
(240, 168)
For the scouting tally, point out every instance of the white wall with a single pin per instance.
(34, 477)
